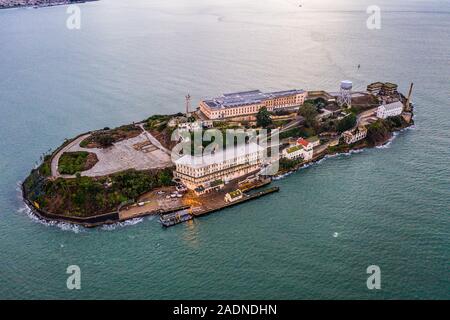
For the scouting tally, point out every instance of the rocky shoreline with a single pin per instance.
(350, 149)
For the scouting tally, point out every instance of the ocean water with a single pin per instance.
(387, 206)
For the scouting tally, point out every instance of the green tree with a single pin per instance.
(105, 140)
(165, 177)
(263, 118)
(287, 164)
(378, 132)
(309, 112)
(320, 103)
(346, 123)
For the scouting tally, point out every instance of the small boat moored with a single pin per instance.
(171, 219)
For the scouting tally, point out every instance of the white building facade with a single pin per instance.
(390, 110)
(299, 151)
(228, 164)
(356, 135)
(308, 149)
(248, 103)
(292, 153)
(233, 196)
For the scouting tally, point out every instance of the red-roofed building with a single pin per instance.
(304, 143)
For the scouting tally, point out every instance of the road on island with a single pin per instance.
(122, 155)
(55, 160)
(363, 116)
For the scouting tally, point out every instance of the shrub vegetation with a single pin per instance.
(88, 196)
(106, 138)
(73, 162)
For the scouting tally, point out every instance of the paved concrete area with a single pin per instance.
(151, 202)
(154, 141)
(368, 116)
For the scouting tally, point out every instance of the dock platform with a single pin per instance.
(247, 197)
(168, 220)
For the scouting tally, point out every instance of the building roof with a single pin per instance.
(303, 142)
(392, 106)
(375, 85)
(293, 149)
(352, 132)
(312, 139)
(243, 98)
(216, 183)
(236, 193)
(219, 156)
(348, 133)
(362, 128)
(390, 85)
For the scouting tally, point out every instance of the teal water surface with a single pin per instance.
(314, 239)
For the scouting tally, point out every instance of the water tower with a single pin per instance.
(345, 94)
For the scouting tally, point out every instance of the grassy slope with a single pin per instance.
(73, 162)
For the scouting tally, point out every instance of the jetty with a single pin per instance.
(174, 218)
(247, 197)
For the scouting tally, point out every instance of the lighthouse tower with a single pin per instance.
(188, 105)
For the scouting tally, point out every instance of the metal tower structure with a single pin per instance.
(188, 104)
(345, 93)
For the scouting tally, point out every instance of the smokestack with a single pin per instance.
(407, 107)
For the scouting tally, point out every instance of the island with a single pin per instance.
(116, 174)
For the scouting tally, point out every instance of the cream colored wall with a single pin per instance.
(270, 104)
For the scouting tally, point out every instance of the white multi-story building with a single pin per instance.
(228, 164)
(303, 149)
(293, 152)
(241, 104)
(308, 149)
(390, 110)
(352, 136)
